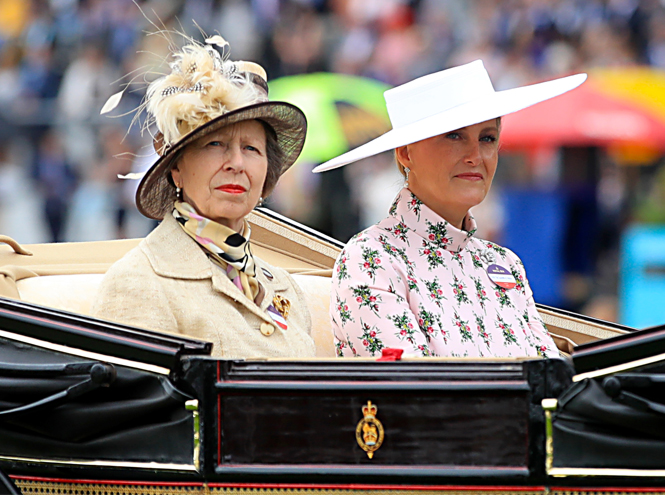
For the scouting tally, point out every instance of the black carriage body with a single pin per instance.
(443, 422)
(173, 420)
(611, 420)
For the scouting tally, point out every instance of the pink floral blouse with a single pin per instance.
(415, 282)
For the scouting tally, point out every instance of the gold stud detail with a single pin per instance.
(267, 329)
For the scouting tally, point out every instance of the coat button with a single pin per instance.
(267, 329)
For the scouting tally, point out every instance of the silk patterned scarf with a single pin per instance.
(226, 247)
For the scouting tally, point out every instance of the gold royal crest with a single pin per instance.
(369, 432)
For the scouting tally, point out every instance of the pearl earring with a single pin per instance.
(260, 201)
(178, 193)
(406, 176)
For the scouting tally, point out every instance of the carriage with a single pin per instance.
(93, 407)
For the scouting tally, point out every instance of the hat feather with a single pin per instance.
(200, 87)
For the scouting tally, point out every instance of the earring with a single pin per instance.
(406, 176)
(178, 193)
(260, 201)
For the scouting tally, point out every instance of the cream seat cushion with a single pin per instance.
(317, 294)
(76, 293)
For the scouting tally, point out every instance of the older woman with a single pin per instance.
(223, 147)
(419, 280)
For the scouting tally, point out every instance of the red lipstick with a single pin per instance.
(470, 176)
(232, 188)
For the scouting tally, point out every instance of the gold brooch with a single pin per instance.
(282, 305)
(369, 432)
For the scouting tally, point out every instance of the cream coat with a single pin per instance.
(168, 284)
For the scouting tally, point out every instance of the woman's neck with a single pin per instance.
(452, 214)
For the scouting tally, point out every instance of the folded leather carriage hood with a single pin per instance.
(602, 424)
(127, 415)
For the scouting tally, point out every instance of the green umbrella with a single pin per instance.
(342, 111)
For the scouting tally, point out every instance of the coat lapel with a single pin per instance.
(172, 253)
(272, 287)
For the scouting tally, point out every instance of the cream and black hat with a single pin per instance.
(203, 93)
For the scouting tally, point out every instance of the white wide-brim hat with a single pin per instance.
(446, 101)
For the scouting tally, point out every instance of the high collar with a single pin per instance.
(424, 222)
(174, 254)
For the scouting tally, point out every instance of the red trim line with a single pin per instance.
(379, 487)
(620, 489)
(299, 485)
(219, 419)
(219, 430)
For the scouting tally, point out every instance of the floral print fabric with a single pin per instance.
(415, 282)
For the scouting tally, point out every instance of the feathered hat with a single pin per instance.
(203, 93)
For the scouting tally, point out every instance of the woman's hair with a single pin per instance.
(274, 153)
(275, 156)
(400, 167)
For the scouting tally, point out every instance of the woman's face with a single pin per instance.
(222, 174)
(453, 172)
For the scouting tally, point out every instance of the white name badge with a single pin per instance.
(501, 276)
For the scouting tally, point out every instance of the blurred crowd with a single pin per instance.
(61, 59)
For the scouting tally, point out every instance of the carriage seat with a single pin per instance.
(76, 293)
(67, 276)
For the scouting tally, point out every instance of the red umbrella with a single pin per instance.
(595, 114)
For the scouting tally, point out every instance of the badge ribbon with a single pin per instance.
(279, 311)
